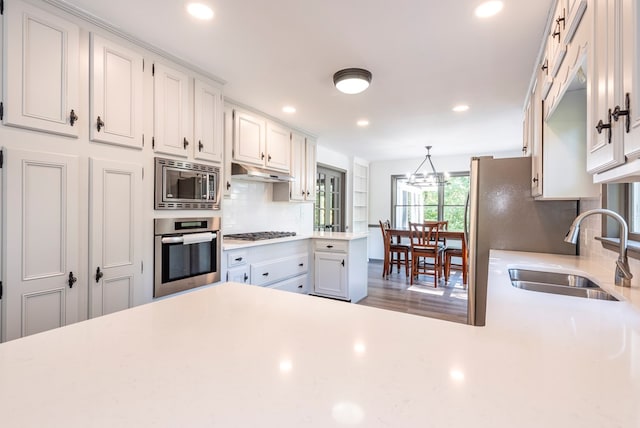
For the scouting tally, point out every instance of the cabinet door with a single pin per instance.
(278, 147)
(631, 83)
(331, 275)
(42, 227)
(208, 118)
(298, 167)
(248, 138)
(171, 112)
(239, 274)
(605, 146)
(310, 181)
(115, 236)
(116, 94)
(41, 80)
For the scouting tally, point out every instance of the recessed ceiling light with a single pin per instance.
(200, 10)
(363, 122)
(289, 109)
(460, 108)
(488, 9)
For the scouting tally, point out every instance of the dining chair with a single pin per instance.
(426, 245)
(394, 253)
(451, 252)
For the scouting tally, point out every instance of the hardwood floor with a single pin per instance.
(447, 301)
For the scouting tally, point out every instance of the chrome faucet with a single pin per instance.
(623, 273)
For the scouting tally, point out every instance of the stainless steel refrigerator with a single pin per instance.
(503, 215)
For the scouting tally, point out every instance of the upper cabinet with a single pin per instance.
(303, 170)
(41, 71)
(556, 46)
(278, 147)
(116, 94)
(260, 142)
(248, 137)
(172, 123)
(208, 122)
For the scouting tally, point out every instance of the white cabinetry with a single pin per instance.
(248, 137)
(116, 94)
(303, 169)
(281, 266)
(41, 71)
(115, 236)
(172, 125)
(340, 268)
(278, 147)
(41, 291)
(259, 142)
(208, 127)
(556, 46)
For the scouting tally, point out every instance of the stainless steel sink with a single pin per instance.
(565, 284)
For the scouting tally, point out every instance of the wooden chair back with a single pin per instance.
(424, 235)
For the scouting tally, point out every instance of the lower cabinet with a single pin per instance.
(281, 266)
(340, 268)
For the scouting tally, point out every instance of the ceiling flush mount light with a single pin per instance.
(289, 109)
(460, 108)
(488, 9)
(430, 178)
(200, 10)
(352, 80)
(363, 122)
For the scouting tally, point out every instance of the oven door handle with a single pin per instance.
(191, 238)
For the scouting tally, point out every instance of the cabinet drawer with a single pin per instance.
(236, 258)
(299, 284)
(271, 271)
(333, 246)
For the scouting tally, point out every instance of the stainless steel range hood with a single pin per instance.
(253, 173)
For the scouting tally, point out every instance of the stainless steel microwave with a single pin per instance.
(186, 185)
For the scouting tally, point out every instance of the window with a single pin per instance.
(412, 204)
(623, 198)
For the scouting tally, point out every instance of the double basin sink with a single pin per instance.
(565, 284)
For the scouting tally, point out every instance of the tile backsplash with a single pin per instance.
(251, 209)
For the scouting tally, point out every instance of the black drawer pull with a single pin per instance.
(265, 274)
(301, 264)
(329, 246)
(300, 286)
(239, 259)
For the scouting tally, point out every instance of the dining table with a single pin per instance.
(398, 234)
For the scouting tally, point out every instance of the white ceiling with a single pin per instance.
(425, 55)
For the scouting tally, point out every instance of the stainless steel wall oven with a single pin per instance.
(187, 253)
(186, 185)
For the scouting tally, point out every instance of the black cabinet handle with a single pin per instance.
(601, 125)
(73, 117)
(329, 246)
(301, 264)
(535, 180)
(269, 158)
(265, 274)
(342, 262)
(99, 274)
(72, 280)
(185, 143)
(239, 259)
(617, 112)
(245, 277)
(262, 156)
(228, 185)
(200, 146)
(301, 286)
(99, 124)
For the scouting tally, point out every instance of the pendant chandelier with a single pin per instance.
(430, 178)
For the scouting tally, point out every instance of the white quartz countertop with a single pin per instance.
(231, 244)
(236, 355)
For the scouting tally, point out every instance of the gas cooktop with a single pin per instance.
(258, 236)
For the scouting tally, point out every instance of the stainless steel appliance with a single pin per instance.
(502, 215)
(186, 185)
(187, 253)
(258, 236)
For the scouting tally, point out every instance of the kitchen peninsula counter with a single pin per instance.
(231, 244)
(234, 355)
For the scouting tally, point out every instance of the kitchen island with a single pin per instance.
(234, 355)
